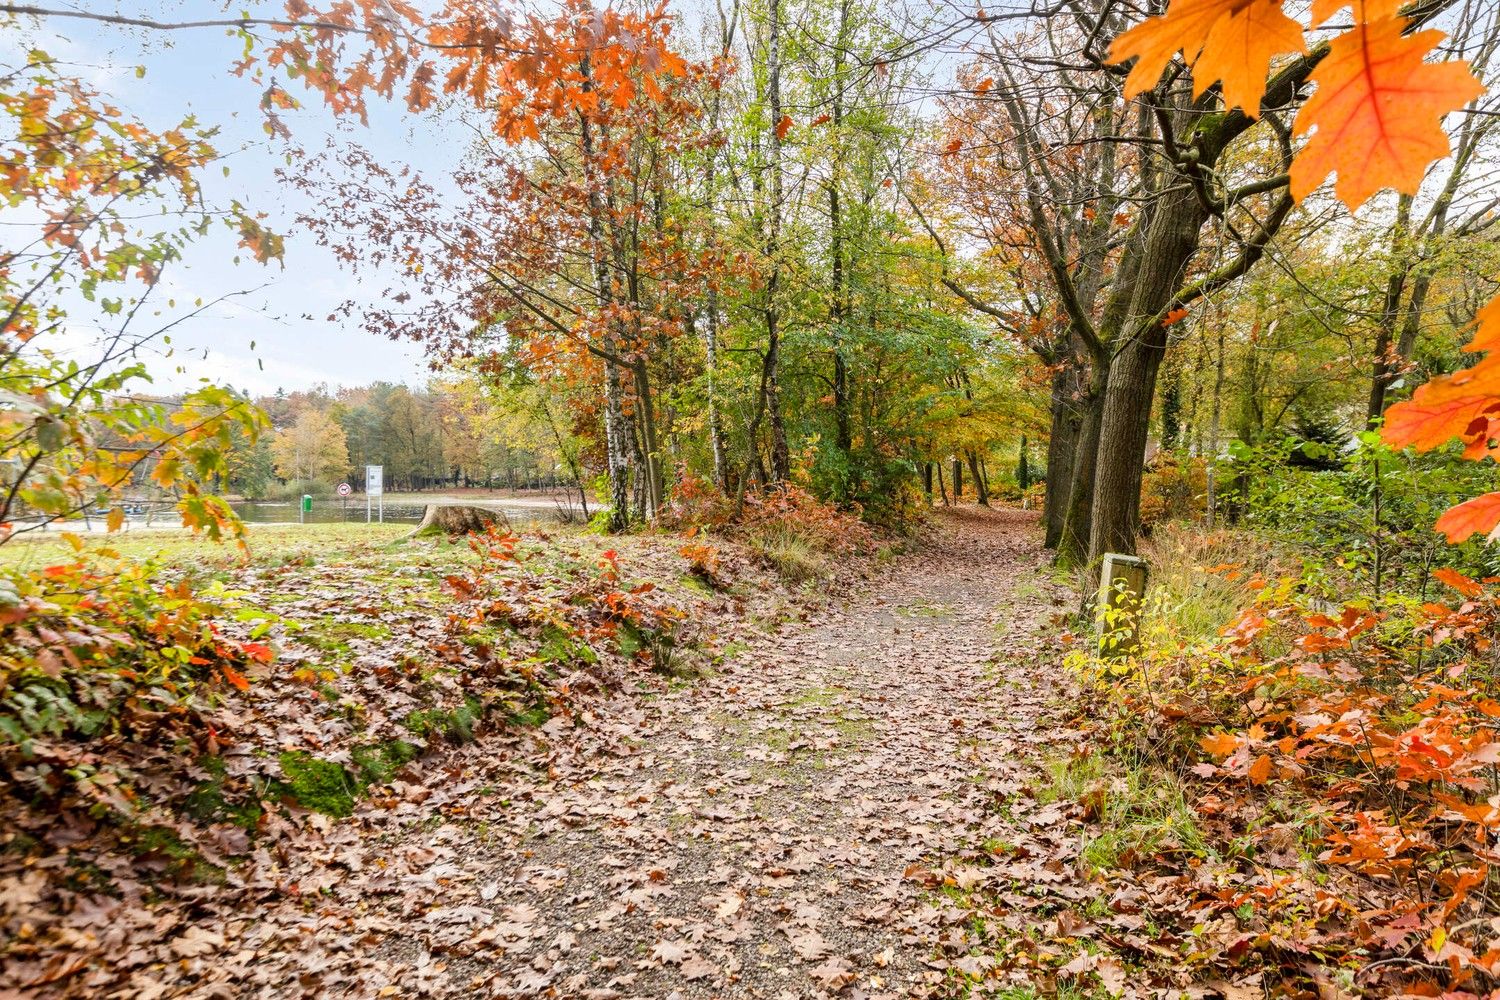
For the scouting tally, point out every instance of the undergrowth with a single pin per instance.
(1336, 760)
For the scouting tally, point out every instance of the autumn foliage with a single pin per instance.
(1466, 406)
(1375, 119)
(96, 656)
(1370, 68)
(1364, 738)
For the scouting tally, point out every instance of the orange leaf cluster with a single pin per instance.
(1233, 41)
(1464, 405)
(1376, 117)
(1390, 751)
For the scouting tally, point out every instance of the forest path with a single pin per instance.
(772, 831)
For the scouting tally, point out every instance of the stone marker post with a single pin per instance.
(1122, 590)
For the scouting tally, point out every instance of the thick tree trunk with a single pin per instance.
(927, 480)
(1062, 448)
(1126, 413)
(958, 479)
(1077, 514)
(1123, 428)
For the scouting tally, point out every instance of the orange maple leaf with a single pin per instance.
(784, 126)
(1378, 111)
(1456, 405)
(1434, 416)
(1486, 328)
(1220, 744)
(1260, 771)
(1459, 582)
(1472, 517)
(1364, 10)
(1232, 41)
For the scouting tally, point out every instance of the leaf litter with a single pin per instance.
(850, 805)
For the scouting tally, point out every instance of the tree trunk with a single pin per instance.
(617, 434)
(958, 480)
(1077, 514)
(781, 456)
(1123, 427)
(1125, 417)
(942, 487)
(1383, 373)
(1062, 448)
(652, 457)
(711, 362)
(981, 488)
(616, 456)
(843, 438)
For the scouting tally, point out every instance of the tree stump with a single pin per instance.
(459, 519)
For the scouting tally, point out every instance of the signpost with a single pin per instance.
(375, 487)
(343, 491)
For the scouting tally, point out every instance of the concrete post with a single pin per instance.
(1122, 591)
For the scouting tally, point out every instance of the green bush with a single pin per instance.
(1368, 517)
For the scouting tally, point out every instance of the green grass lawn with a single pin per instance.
(269, 544)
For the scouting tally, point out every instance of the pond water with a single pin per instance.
(334, 512)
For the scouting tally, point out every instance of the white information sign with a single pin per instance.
(375, 487)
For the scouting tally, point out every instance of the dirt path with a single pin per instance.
(768, 832)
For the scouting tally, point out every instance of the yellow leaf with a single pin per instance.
(116, 519)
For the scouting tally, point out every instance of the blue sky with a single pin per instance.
(187, 72)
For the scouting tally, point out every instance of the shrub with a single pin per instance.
(565, 619)
(295, 489)
(789, 553)
(100, 650)
(696, 502)
(793, 509)
(1370, 518)
(795, 533)
(1174, 488)
(1365, 731)
(703, 561)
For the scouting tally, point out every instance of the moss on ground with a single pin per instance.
(320, 785)
(455, 723)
